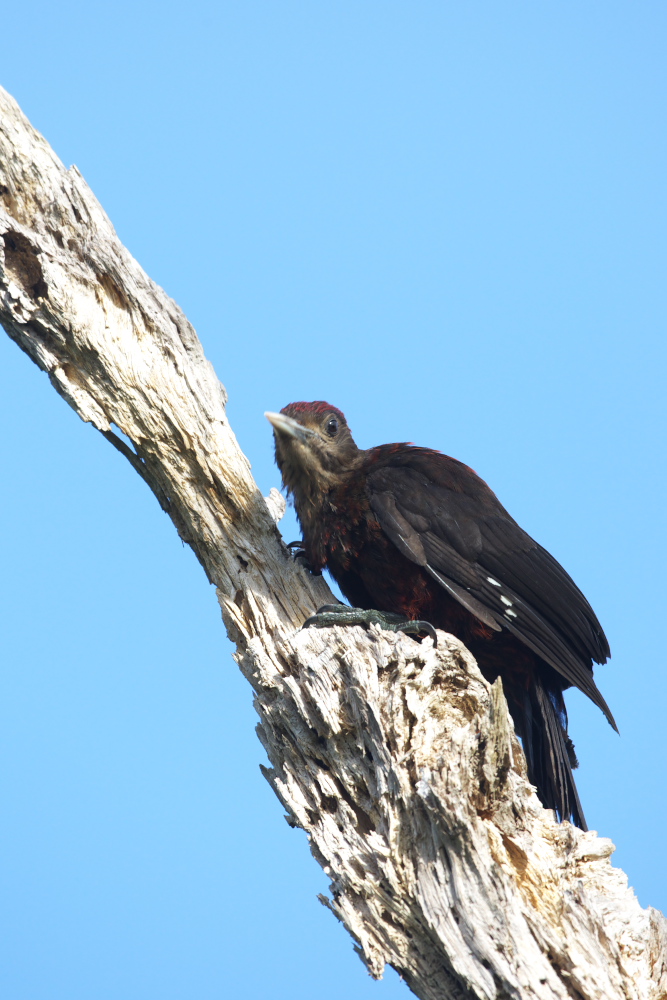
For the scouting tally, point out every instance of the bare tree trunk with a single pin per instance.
(398, 759)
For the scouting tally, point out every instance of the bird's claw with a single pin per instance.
(299, 556)
(340, 614)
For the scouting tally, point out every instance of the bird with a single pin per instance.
(417, 541)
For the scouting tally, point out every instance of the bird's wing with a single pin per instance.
(465, 540)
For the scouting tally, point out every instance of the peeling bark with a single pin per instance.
(398, 759)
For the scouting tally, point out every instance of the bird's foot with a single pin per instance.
(340, 614)
(299, 556)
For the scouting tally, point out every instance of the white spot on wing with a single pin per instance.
(512, 613)
(494, 582)
(506, 601)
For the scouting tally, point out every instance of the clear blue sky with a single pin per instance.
(449, 220)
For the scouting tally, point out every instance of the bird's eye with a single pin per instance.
(331, 426)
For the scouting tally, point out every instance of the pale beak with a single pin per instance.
(291, 428)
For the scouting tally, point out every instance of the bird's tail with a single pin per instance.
(549, 751)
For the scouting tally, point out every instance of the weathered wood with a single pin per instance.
(398, 759)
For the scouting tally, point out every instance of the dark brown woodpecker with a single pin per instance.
(412, 536)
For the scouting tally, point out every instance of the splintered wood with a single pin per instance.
(397, 759)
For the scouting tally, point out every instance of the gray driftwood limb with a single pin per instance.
(398, 759)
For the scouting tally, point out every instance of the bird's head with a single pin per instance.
(314, 446)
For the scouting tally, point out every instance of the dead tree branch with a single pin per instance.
(398, 760)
